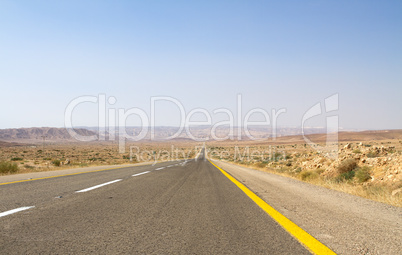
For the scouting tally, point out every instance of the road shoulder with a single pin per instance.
(347, 224)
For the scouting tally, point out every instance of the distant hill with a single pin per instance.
(363, 135)
(371, 135)
(284, 135)
(199, 132)
(34, 135)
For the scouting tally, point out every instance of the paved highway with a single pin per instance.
(186, 207)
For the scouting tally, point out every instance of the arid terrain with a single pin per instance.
(36, 158)
(368, 163)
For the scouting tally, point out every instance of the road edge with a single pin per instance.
(298, 233)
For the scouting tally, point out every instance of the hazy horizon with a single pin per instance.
(341, 129)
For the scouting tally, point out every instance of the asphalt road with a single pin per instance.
(186, 207)
(345, 223)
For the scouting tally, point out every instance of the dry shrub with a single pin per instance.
(8, 167)
(347, 165)
(308, 175)
(363, 174)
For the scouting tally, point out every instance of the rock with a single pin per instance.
(397, 191)
(347, 146)
(363, 160)
(360, 144)
(67, 162)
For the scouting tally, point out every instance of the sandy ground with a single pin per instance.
(347, 224)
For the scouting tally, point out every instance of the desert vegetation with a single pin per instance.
(371, 169)
(8, 167)
(37, 158)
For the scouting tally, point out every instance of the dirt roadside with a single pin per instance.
(347, 224)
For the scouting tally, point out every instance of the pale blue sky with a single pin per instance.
(277, 54)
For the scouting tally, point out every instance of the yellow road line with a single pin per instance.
(49, 177)
(302, 236)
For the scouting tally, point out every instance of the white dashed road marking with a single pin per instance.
(15, 210)
(141, 173)
(98, 186)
